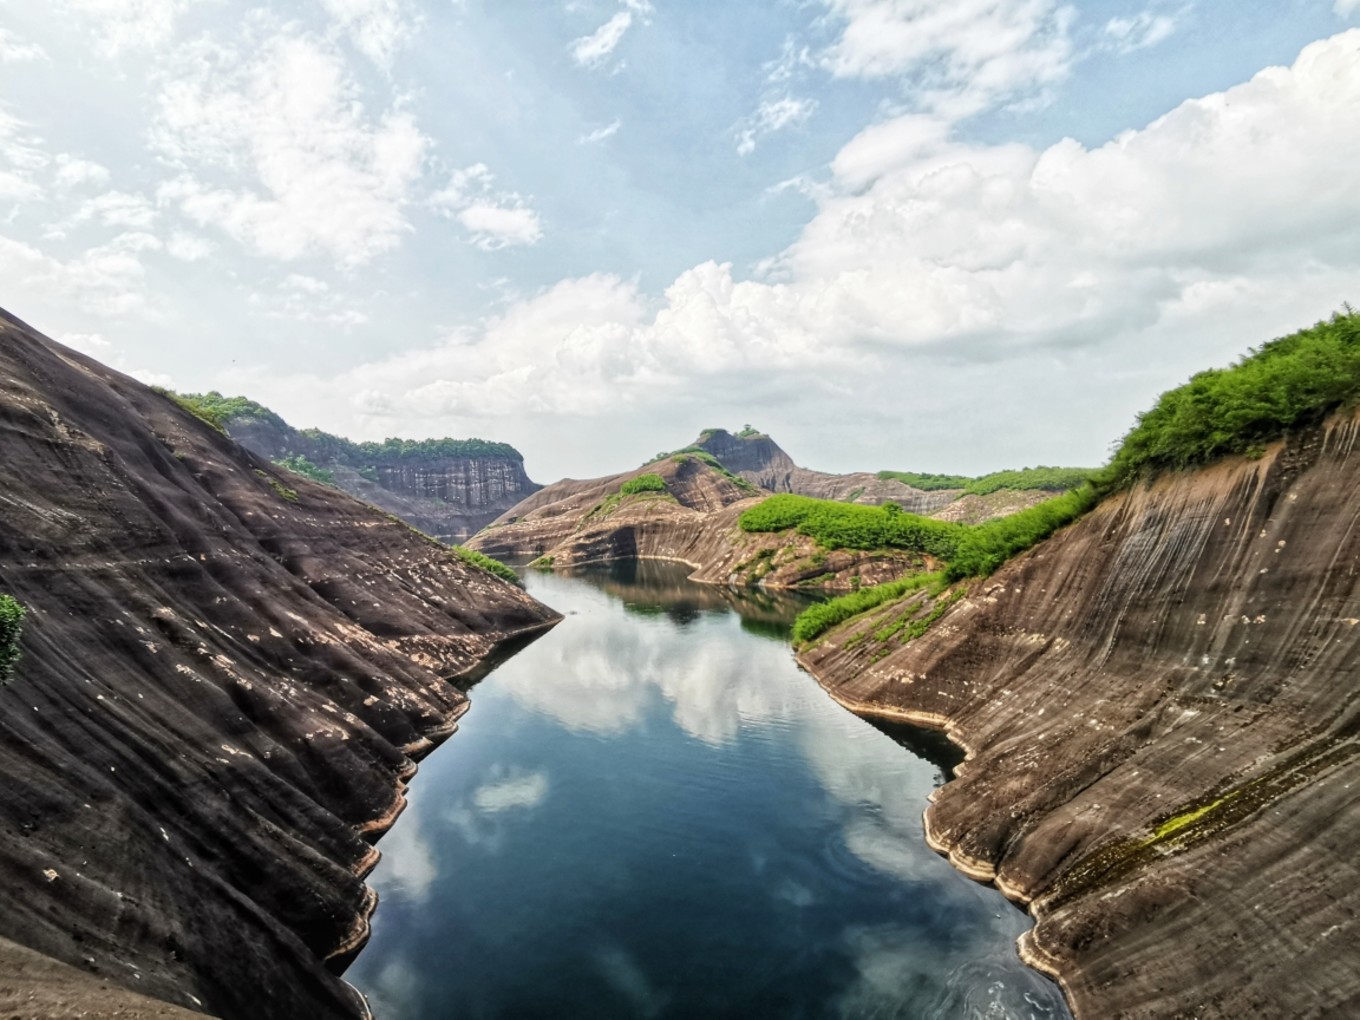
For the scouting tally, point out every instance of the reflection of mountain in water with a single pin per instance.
(658, 587)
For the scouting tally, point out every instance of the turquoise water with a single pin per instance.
(652, 812)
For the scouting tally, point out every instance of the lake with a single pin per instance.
(651, 812)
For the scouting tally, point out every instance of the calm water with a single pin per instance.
(651, 812)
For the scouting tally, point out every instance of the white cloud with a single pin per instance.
(957, 56)
(773, 115)
(600, 134)
(105, 281)
(117, 209)
(1346, 8)
(1144, 29)
(302, 298)
(189, 247)
(120, 25)
(377, 28)
(322, 175)
(73, 172)
(591, 50)
(495, 219)
(1219, 217)
(14, 50)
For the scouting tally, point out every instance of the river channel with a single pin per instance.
(651, 812)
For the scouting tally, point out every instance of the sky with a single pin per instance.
(938, 235)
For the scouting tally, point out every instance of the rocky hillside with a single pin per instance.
(227, 672)
(1162, 718)
(759, 459)
(445, 487)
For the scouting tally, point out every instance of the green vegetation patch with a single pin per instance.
(484, 562)
(280, 490)
(836, 525)
(1287, 383)
(643, 483)
(926, 481)
(300, 465)
(816, 620)
(1035, 479)
(982, 548)
(12, 613)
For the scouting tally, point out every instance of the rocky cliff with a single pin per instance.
(759, 459)
(227, 674)
(1162, 721)
(448, 496)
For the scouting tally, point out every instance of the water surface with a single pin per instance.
(652, 812)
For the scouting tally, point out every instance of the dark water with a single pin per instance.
(651, 812)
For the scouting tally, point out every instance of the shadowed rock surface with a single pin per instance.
(227, 672)
(447, 497)
(1162, 713)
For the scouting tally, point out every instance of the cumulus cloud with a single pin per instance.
(73, 172)
(494, 219)
(302, 298)
(956, 57)
(377, 28)
(1226, 211)
(119, 25)
(314, 172)
(773, 114)
(14, 50)
(1345, 8)
(106, 281)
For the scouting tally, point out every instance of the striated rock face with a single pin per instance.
(447, 497)
(1162, 715)
(227, 673)
(759, 460)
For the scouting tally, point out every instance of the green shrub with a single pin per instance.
(643, 483)
(1035, 479)
(486, 563)
(12, 615)
(816, 620)
(925, 481)
(853, 526)
(300, 465)
(1284, 384)
(984, 547)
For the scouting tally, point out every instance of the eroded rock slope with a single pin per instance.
(1162, 709)
(227, 672)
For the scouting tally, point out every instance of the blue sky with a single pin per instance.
(894, 233)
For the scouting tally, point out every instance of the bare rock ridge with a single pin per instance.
(759, 459)
(1162, 716)
(450, 495)
(227, 674)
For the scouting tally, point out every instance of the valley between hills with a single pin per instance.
(229, 667)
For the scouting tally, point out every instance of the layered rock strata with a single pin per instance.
(1162, 717)
(227, 675)
(450, 498)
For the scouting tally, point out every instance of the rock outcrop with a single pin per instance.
(449, 497)
(759, 459)
(1162, 720)
(227, 675)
